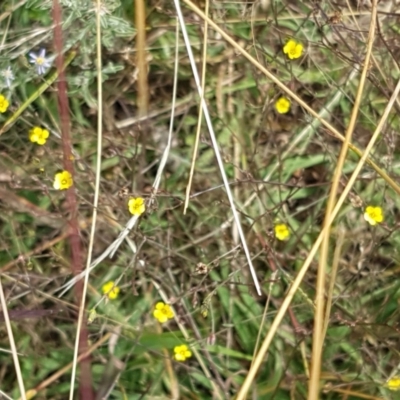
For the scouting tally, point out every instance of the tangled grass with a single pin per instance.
(175, 312)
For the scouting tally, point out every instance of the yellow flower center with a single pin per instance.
(164, 311)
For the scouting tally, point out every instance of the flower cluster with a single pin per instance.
(281, 231)
(282, 105)
(3, 104)
(110, 290)
(40, 62)
(136, 206)
(63, 180)
(373, 215)
(293, 49)
(163, 312)
(182, 352)
(38, 135)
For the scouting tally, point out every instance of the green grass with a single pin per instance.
(280, 168)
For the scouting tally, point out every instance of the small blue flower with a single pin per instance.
(40, 61)
(8, 76)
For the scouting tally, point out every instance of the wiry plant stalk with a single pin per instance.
(300, 276)
(200, 115)
(14, 352)
(215, 146)
(292, 95)
(74, 237)
(318, 334)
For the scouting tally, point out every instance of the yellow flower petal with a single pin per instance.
(38, 135)
(162, 312)
(62, 180)
(281, 231)
(110, 290)
(136, 206)
(393, 383)
(282, 105)
(3, 104)
(293, 49)
(373, 215)
(182, 352)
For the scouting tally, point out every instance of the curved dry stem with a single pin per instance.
(12, 343)
(332, 278)
(203, 84)
(292, 95)
(216, 148)
(318, 336)
(296, 283)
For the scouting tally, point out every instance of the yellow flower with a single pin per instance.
(38, 135)
(182, 352)
(282, 105)
(293, 49)
(110, 290)
(393, 383)
(163, 312)
(373, 215)
(3, 104)
(136, 206)
(62, 180)
(281, 231)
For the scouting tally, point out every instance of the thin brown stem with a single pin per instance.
(86, 391)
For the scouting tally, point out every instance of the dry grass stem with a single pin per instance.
(318, 332)
(296, 283)
(197, 195)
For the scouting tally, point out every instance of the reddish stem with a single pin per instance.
(85, 389)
